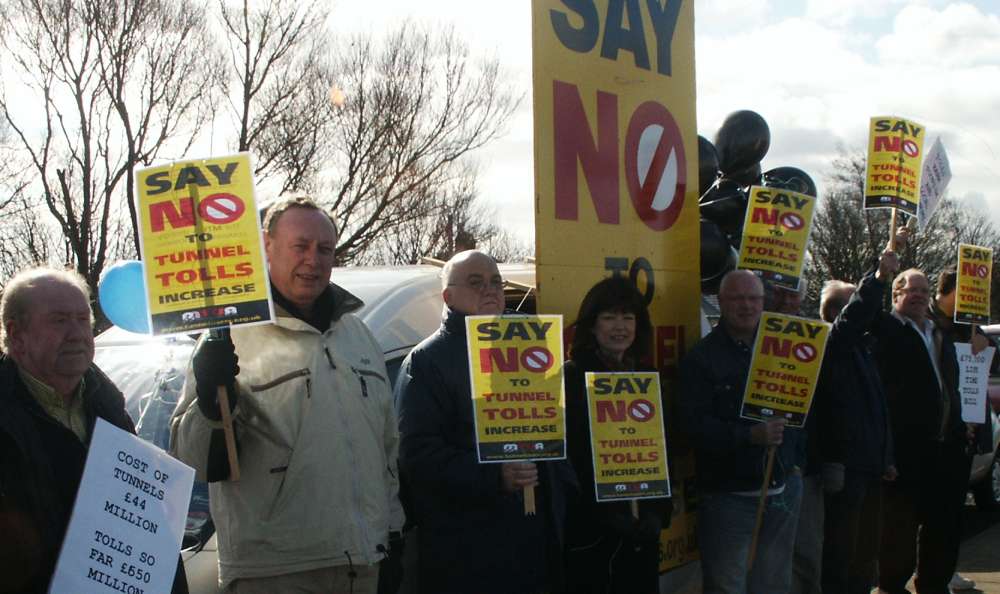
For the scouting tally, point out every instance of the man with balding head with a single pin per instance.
(473, 534)
(731, 453)
(51, 395)
(919, 372)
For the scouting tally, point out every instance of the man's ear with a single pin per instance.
(14, 338)
(446, 296)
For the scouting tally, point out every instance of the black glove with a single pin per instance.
(215, 364)
(648, 526)
(390, 569)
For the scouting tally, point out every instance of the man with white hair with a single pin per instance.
(852, 442)
(51, 395)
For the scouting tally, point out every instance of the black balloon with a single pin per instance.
(716, 252)
(748, 176)
(708, 164)
(742, 140)
(725, 205)
(790, 178)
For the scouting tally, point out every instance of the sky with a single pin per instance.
(816, 70)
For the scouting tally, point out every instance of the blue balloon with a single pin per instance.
(123, 298)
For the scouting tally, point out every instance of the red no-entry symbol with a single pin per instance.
(792, 221)
(910, 148)
(536, 359)
(655, 165)
(804, 352)
(221, 208)
(641, 410)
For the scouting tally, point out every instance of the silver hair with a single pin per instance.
(15, 305)
(829, 302)
(733, 275)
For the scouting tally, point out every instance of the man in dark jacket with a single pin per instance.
(50, 397)
(854, 444)
(731, 454)
(472, 532)
(919, 371)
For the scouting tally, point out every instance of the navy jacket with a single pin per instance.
(41, 463)
(713, 376)
(914, 396)
(850, 419)
(472, 536)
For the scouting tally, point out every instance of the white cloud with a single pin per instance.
(957, 36)
(840, 13)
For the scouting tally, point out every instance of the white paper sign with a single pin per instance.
(127, 524)
(933, 181)
(973, 381)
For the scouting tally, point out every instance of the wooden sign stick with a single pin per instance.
(634, 504)
(892, 230)
(529, 501)
(760, 505)
(227, 429)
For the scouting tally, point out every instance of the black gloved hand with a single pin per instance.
(215, 364)
(390, 569)
(648, 526)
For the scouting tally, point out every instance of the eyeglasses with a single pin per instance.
(479, 284)
(743, 298)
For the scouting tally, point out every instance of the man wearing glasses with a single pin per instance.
(919, 372)
(731, 454)
(473, 534)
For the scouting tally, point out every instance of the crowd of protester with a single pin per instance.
(341, 474)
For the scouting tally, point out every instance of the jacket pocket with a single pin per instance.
(365, 376)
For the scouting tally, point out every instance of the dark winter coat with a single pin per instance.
(472, 536)
(850, 419)
(607, 550)
(41, 463)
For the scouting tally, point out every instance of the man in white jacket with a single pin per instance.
(313, 415)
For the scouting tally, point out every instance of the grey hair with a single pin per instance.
(733, 275)
(830, 302)
(15, 305)
(459, 257)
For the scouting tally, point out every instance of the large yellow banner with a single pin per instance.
(775, 235)
(975, 273)
(515, 363)
(787, 356)
(201, 245)
(895, 156)
(627, 436)
(616, 177)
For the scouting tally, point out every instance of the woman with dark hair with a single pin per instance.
(609, 550)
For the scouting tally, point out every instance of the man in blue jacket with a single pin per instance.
(731, 454)
(473, 535)
(854, 442)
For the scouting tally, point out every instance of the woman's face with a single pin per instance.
(615, 332)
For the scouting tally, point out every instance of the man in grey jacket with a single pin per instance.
(317, 497)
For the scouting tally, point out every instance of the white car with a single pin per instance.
(984, 480)
(402, 306)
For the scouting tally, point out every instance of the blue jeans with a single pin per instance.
(725, 529)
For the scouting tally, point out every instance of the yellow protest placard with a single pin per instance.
(975, 273)
(895, 155)
(616, 173)
(627, 436)
(787, 356)
(515, 364)
(775, 235)
(201, 245)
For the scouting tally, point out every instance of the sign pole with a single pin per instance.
(634, 504)
(892, 230)
(760, 505)
(529, 501)
(227, 418)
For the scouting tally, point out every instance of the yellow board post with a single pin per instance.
(616, 176)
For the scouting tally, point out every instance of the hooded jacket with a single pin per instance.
(318, 444)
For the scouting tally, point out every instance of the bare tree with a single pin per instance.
(113, 85)
(414, 106)
(456, 222)
(279, 96)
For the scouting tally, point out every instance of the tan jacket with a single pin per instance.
(318, 447)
